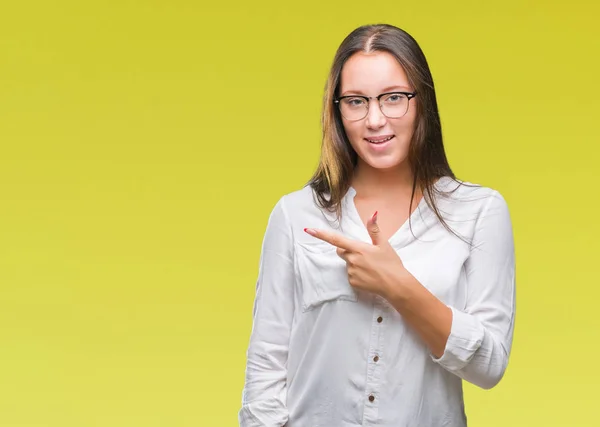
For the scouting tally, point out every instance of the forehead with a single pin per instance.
(370, 72)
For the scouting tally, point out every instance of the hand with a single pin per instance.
(376, 268)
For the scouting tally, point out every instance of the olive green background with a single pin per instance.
(143, 145)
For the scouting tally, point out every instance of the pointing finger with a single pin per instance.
(333, 238)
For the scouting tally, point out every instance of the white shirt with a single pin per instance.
(324, 354)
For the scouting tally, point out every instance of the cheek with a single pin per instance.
(353, 132)
(405, 129)
(407, 124)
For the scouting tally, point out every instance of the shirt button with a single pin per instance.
(379, 319)
(376, 359)
(371, 398)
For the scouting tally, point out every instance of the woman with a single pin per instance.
(385, 281)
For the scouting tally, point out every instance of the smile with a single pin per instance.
(379, 140)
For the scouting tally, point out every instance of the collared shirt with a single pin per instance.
(324, 354)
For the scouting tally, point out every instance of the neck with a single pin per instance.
(370, 182)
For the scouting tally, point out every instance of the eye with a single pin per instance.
(354, 102)
(395, 98)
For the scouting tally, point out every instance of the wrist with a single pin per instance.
(397, 291)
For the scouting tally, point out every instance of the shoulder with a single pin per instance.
(296, 205)
(299, 199)
(301, 203)
(465, 199)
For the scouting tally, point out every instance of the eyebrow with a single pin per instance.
(387, 89)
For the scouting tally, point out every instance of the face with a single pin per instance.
(370, 75)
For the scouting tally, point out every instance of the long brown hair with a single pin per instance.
(426, 156)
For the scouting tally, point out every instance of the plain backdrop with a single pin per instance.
(143, 145)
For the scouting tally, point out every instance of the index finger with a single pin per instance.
(333, 238)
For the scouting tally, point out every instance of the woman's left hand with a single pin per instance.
(376, 268)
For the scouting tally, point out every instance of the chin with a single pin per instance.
(385, 163)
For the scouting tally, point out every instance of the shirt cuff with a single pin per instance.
(466, 336)
(263, 413)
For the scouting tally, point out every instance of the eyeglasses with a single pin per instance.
(393, 105)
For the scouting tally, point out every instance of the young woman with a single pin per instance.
(386, 281)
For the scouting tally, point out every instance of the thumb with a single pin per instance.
(374, 230)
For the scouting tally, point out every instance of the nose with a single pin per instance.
(375, 117)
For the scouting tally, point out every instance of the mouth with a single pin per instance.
(380, 140)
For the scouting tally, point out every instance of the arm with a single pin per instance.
(475, 343)
(264, 394)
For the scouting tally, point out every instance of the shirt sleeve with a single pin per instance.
(264, 394)
(481, 335)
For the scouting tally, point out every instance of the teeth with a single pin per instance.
(379, 142)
